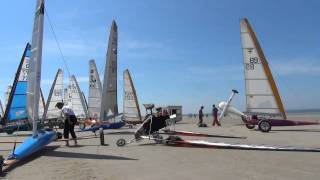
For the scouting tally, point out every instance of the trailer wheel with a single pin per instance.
(264, 126)
(121, 142)
(101, 137)
(250, 126)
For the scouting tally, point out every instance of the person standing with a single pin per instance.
(70, 121)
(215, 116)
(200, 116)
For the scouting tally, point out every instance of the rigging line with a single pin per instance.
(58, 44)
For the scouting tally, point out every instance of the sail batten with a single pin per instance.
(131, 109)
(95, 91)
(109, 104)
(262, 95)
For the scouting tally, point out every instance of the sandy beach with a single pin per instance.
(147, 160)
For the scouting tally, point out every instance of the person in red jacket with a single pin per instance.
(215, 116)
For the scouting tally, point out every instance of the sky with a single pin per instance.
(178, 52)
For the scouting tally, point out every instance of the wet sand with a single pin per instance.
(146, 160)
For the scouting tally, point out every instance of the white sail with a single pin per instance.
(42, 104)
(95, 90)
(262, 96)
(6, 96)
(55, 96)
(131, 110)
(75, 99)
(34, 74)
(109, 91)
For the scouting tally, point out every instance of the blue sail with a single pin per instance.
(17, 104)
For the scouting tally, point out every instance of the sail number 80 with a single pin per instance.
(252, 61)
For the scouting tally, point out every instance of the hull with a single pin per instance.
(115, 125)
(186, 133)
(282, 122)
(33, 144)
(221, 145)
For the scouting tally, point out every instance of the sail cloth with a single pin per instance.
(95, 90)
(131, 110)
(75, 99)
(17, 100)
(1, 109)
(262, 96)
(109, 105)
(42, 104)
(55, 96)
(16, 107)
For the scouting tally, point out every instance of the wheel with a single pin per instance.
(121, 142)
(10, 131)
(101, 137)
(59, 135)
(250, 126)
(61, 125)
(264, 126)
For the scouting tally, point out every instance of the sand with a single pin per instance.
(145, 160)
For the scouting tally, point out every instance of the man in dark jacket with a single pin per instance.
(200, 116)
(215, 116)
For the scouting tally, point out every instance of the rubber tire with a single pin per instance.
(121, 142)
(10, 131)
(61, 125)
(101, 134)
(250, 126)
(264, 123)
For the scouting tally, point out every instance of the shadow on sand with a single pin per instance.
(49, 151)
(85, 156)
(120, 133)
(29, 159)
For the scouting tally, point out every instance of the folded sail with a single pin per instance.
(95, 90)
(109, 105)
(262, 96)
(131, 110)
(74, 99)
(55, 96)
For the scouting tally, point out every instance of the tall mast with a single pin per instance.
(34, 76)
(109, 91)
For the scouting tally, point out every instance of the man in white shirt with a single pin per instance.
(70, 121)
